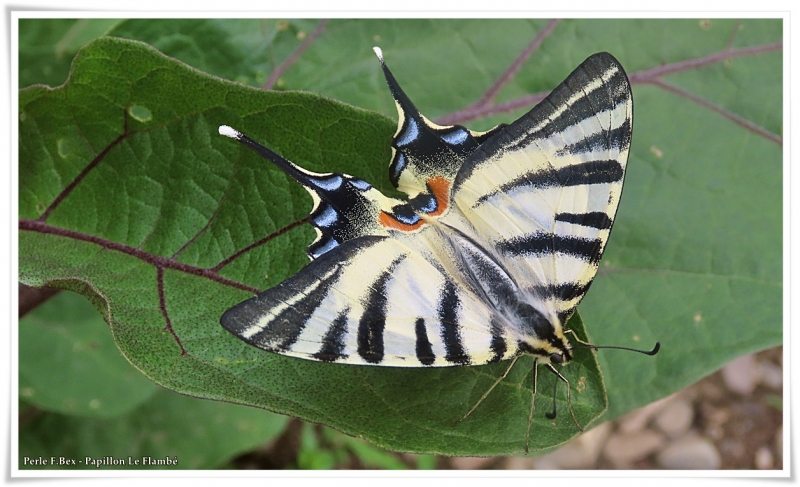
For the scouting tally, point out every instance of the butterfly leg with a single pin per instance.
(569, 398)
(500, 379)
(533, 396)
(575, 336)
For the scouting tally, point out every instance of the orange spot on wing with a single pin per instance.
(388, 221)
(440, 188)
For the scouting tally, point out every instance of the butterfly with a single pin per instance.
(498, 240)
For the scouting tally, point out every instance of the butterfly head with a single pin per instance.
(549, 348)
(541, 332)
(560, 357)
(557, 349)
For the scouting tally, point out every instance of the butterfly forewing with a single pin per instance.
(544, 190)
(346, 307)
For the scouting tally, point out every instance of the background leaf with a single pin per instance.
(129, 197)
(89, 401)
(198, 435)
(69, 365)
(46, 47)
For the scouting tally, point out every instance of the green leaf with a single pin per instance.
(46, 47)
(163, 224)
(426, 462)
(69, 364)
(311, 456)
(198, 434)
(243, 50)
(368, 455)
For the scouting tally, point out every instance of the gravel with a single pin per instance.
(729, 420)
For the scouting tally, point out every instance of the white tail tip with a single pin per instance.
(378, 52)
(229, 132)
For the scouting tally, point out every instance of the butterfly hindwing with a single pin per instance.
(345, 207)
(425, 156)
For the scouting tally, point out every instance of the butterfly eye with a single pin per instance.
(556, 358)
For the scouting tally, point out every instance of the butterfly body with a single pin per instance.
(497, 243)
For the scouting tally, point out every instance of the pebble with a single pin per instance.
(771, 375)
(742, 375)
(580, 453)
(469, 463)
(624, 449)
(763, 459)
(692, 452)
(638, 419)
(675, 418)
(732, 448)
(520, 463)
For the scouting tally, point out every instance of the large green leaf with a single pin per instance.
(129, 197)
(192, 434)
(68, 363)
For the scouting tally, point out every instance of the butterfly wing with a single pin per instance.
(425, 156)
(543, 192)
(372, 300)
(437, 280)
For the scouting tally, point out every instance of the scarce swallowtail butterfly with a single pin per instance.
(497, 243)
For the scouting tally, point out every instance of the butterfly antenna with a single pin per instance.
(652, 352)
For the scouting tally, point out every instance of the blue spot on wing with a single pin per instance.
(410, 133)
(321, 247)
(360, 184)
(328, 183)
(455, 137)
(326, 218)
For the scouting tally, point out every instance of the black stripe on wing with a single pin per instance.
(333, 341)
(594, 219)
(372, 323)
(563, 291)
(295, 300)
(566, 106)
(424, 348)
(567, 293)
(618, 138)
(498, 344)
(449, 305)
(549, 243)
(593, 172)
